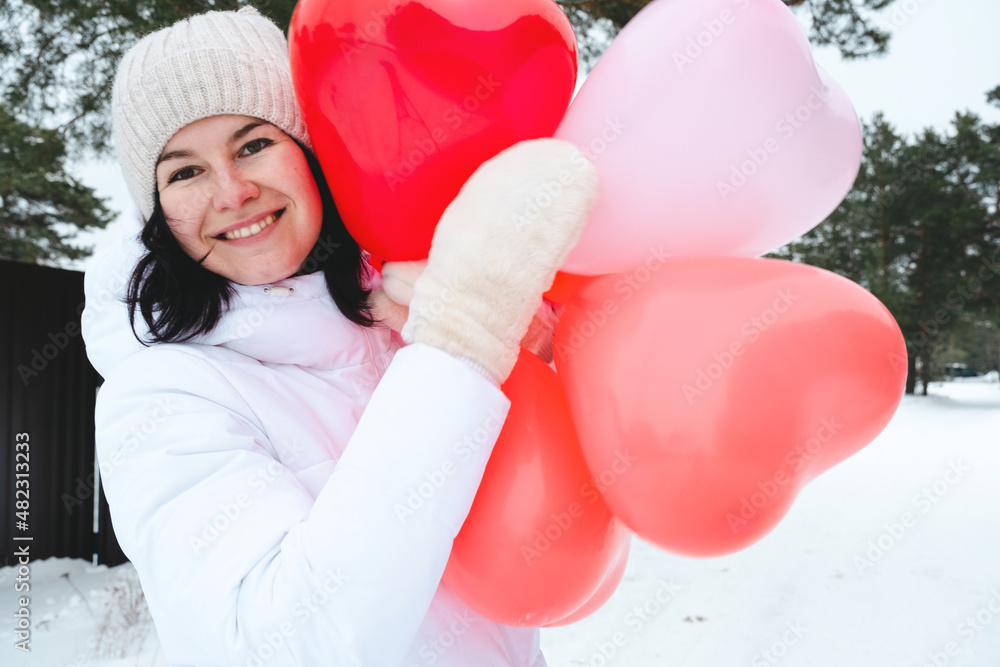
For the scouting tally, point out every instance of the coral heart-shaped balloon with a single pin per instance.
(727, 384)
(714, 134)
(404, 100)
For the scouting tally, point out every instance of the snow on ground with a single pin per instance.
(799, 597)
(805, 595)
(81, 616)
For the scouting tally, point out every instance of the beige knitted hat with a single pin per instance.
(206, 65)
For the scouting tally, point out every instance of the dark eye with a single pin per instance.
(255, 146)
(182, 174)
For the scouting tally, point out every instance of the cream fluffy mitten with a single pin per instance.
(389, 304)
(496, 250)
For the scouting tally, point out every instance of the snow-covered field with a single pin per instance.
(805, 596)
(841, 582)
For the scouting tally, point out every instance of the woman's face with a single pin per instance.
(239, 190)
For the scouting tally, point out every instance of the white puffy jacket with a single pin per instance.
(288, 487)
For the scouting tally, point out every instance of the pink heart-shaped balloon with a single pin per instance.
(714, 133)
(405, 99)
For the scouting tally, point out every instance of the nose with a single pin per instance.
(232, 188)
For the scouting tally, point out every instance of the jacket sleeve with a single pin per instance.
(240, 564)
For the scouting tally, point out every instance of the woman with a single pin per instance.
(286, 477)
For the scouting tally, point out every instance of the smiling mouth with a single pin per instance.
(252, 230)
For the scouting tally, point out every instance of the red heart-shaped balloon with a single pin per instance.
(539, 543)
(404, 100)
(727, 384)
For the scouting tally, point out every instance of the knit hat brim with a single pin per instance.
(207, 65)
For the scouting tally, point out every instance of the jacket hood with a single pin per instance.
(291, 321)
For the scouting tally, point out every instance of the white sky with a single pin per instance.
(944, 55)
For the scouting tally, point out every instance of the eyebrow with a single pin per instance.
(237, 135)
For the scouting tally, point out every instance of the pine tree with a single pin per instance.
(41, 205)
(848, 25)
(920, 231)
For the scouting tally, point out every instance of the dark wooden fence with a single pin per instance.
(47, 391)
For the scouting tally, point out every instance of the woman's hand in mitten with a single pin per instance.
(387, 311)
(390, 305)
(390, 302)
(496, 250)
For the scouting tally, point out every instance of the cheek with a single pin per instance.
(308, 198)
(311, 227)
(316, 205)
(186, 234)
(183, 217)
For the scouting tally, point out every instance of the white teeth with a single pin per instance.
(253, 229)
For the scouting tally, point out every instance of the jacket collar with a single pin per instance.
(292, 321)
